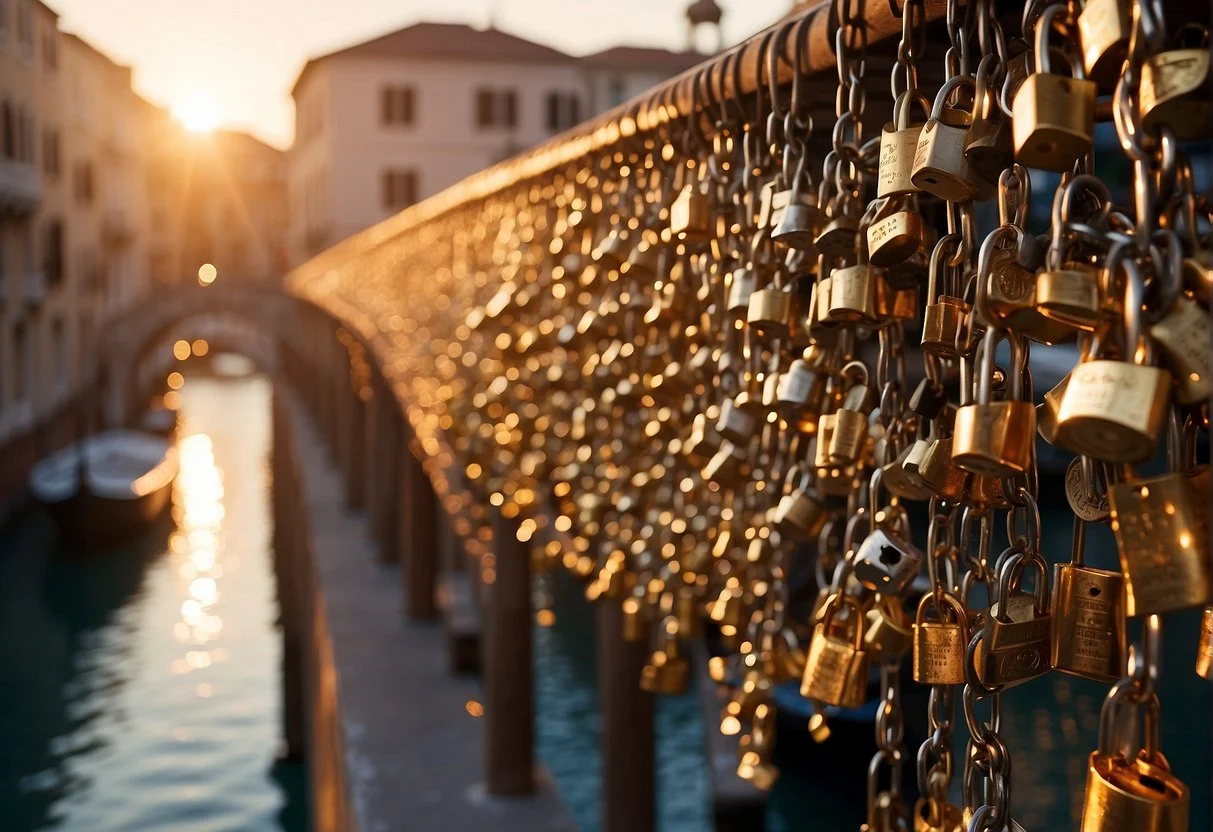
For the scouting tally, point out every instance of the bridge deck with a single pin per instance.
(414, 756)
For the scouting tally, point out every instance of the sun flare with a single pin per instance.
(199, 113)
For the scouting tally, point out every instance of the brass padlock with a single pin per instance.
(1140, 793)
(802, 388)
(943, 476)
(691, 215)
(939, 644)
(894, 235)
(756, 749)
(800, 217)
(1070, 295)
(1184, 336)
(636, 616)
(1162, 537)
(768, 311)
(853, 294)
(945, 310)
(898, 144)
(736, 424)
(743, 282)
(1006, 289)
(1088, 635)
(800, 513)
(1053, 116)
(837, 236)
(1204, 647)
(1174, 92)
(996, 439)
(887, 561)
(826, 424)
(988, 147)
(836, 668)
(888, 635)
(850, 434)
(1014, 646)
(940, 166)
(1114, 410)
(1103, 29)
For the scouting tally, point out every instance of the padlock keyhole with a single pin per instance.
(1152, 783)
(1094, 592)
(889, 556)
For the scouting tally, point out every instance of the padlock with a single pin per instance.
(728, 468)
(1162, 538)
(687, 610)
(743, 282)
(802, 388)
(1007, 295)
(902, 480)
(887, 561)
(736, 424)
(691, 215)
(937, 815)
(768, 311)
(988, 148)
(800, 513)
(821, 442)
(667, 670)
(1014, 646)
(945, 310)
(1070, 295)
(996, 439)
(1183, 334)
(888, 635)
(898, 144)
(853, 294)
(1125, 794)
(940, 644)
(940, 166)
(800, 218)
(614, 250)
(850, 433)
(837, 236)
(1114, 410)
(1088, 635)
(893, 237)
(1053, 116)
(1103, 29)
(887, 812)
(836, 668)
(756, 750)
(1204, 647)
(943, 476)
(1174, 92)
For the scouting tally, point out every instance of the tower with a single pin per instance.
(703, 13)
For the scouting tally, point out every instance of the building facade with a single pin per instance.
(387, 123)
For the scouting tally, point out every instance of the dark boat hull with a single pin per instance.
(88, 521)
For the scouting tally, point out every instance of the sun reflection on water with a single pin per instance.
(198, 507)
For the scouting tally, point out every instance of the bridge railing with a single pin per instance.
(667, 351)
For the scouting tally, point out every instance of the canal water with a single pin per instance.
(139, 687)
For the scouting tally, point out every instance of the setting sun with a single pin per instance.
(199, 113)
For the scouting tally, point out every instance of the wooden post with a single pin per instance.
(419, 550)
(355, 448)
(288, 564)
(371, 447)
(628, 772)
(508, 706)
(390, 458)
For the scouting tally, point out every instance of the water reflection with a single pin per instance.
(139, 687)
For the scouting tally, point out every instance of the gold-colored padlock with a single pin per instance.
(1070, 295)
(1204, 647)
(945, 310)
(1053, 116)
(850, 433)
(667, 670)
(1103, 29)
(894, 235)
(988, 147)
(836, 669)
(888, 635)
(898, 144)
(768, 311)
(940, 166)
(1186, 340)
(691, 215)
(1162, 537)
(990, 438)
(1015, 643)
(939, 644)
(1174, 92)
(853, 294)
(1088, 635)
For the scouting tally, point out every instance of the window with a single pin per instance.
(4, 20)
(25, 28)
(26, 151)
(83, 183)
(496, 108)
(50, 48)
(20, 362)
(399, 189)
(397, 106)
(8, 125)
(563, 110)
(52, 252)
(50, 153)
(59, 353)
(619, 91)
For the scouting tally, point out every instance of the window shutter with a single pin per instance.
(385, 106)
(511, 108)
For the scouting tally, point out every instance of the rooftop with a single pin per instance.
(645, 57)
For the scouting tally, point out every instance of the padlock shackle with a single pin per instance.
(1040, 43)
(947, 89)
(1011, 573)
(935, 263)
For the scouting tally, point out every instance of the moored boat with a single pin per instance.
(107, 487)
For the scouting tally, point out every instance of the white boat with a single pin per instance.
(106, 487)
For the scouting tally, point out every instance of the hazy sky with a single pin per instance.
(245, 54)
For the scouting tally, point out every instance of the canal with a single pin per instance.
(139, 687)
